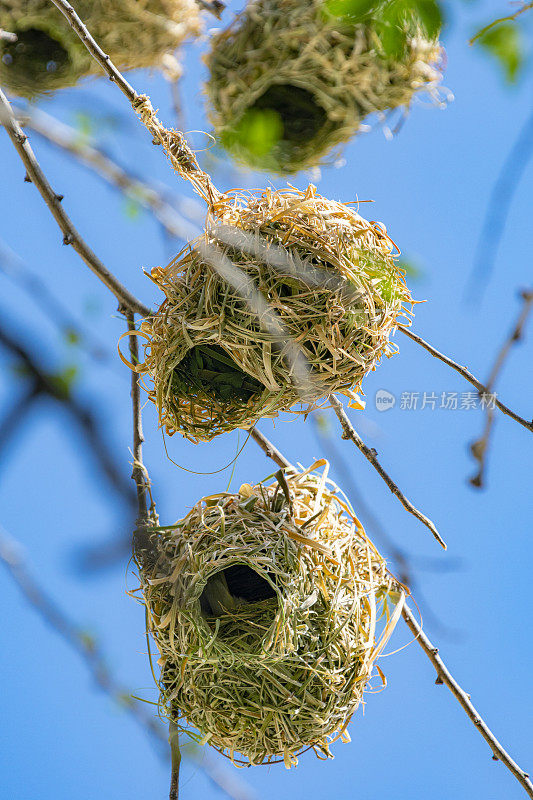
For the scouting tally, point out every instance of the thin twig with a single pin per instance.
(479, 448)
(269, 449)
(174, 143)
(349, 432)
(7, 36)
(175, 755)
(482, 389)
(445, 677)
(491, 25)
(67, 138)
(53, 200)
(139, 471)
(498, 208)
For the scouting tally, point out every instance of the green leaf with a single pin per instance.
(65, 379)
(132, 208)
(431, 17)
(256, 133)
(348, 10)
(504, 42)
(72, 336)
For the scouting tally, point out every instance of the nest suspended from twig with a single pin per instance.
(287, 85)
(48, 55)
(314, 296)
(265, 607)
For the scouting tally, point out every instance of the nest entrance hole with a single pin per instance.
(34, 54)
(241, 602)
(300, 115)
(210, 369)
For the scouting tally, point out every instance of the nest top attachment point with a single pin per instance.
(269, 608)
(286, 298)
(289, 82)
(48, 55)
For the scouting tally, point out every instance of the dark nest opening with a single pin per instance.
(34, 56)
(240, 605)
(211, 370)
(300, 115)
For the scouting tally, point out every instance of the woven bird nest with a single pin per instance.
(287, 85)
(327, 287)
(265, 607)
(48, 55)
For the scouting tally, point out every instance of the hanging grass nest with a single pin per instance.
(48, 55)
(326, 275)
(266, 606)
(289, 81)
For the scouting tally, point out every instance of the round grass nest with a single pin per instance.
(326, 275)
(269, 608)
(287, 84)
(48, 55)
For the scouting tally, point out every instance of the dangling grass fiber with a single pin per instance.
(287, 83)
(216, 365)
(49, 55)
(277, 675)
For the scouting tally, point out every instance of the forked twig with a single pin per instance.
(482, 389)
(53, 200)
(349, 432)
(444, 676)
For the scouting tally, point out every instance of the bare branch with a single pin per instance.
(174, 143)
(349, 432)
(53, 201)
(67, 138)
(269, 450)
(445, 677)
(482, 389)
(139, 474)
(479, 448)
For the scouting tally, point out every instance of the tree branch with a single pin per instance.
(467, 376)
(349, 432)
(479, 448)
(444, 676)
(174, 143)
(53, 201)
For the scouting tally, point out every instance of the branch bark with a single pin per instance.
(349, 432)
(53, 200)
(444, 676)
(482, 389)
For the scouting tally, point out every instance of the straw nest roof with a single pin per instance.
(287, 297)
(269, 608)
(50, 56)
(320, 78)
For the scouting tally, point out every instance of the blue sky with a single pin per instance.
(430, 185)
